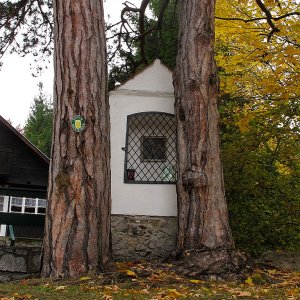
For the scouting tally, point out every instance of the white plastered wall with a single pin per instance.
(150, 90)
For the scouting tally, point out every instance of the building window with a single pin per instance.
(30, 206)
(153, 148)
(150, 152)
(1, 203)
(27, 205)
(41, 207)
(16, 205)
(3, 208)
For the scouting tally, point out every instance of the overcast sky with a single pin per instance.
(17, 85)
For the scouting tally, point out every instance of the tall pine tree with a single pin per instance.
(77, 229)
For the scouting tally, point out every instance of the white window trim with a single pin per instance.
(5, 209)
(23, 206)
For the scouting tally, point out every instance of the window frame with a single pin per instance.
(5, 209)
(143, 159)
(23, 206)
(125, 178)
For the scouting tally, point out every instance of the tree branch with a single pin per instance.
(295, 13)
(142, 32)
(44, 15)
(162, 13)
(269, 18)
(240, 19)
(143, 7)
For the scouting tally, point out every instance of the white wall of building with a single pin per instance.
(150, 90)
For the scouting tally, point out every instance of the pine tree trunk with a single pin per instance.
(204, 235)
(77, 233)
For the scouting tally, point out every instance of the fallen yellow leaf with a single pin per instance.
(249, 281)
(85, 278)
(244, 294)
(173, 293)
(196, 281)
(131, 273)
(61, 288)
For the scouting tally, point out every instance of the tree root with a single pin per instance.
(213, 264)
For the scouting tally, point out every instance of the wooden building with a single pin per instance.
(23, 178)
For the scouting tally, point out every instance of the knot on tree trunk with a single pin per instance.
(181, 113)
(62, 179)
(193, 179)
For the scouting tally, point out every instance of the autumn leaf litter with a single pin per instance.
(156, 281)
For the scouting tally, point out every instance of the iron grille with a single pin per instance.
(150, 148)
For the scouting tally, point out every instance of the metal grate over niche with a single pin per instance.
(150, 152)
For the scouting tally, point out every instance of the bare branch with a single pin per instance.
(295, 13)
(143, 7)
(112, 25)
(162, 13)
(141, 34)
(269, 18)
(44, 15)
(240, 19)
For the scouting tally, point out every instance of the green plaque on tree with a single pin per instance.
(78, 123)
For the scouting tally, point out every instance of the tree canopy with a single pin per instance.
(38, 126)
(258, 55)
(258, 59)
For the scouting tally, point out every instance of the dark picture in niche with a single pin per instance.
(153, 148)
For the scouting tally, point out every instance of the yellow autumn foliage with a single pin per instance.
(282, 169)
(249, 64)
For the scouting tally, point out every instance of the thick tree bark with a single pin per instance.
(204, 235)
(77, 234)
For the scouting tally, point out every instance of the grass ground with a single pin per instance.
(149, 281)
